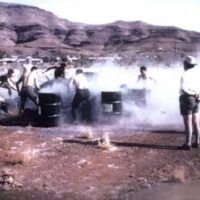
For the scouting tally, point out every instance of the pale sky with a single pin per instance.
(181, 13)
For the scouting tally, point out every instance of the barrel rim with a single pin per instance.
(50, 116)
(49, 104)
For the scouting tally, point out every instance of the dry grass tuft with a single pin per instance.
(178, 174)
(105, 143)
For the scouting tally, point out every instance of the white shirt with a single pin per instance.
(80, 81)
(190, 81)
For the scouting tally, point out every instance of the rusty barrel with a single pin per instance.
(111, 102)
(49, 109)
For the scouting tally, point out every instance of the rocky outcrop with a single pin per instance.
(30, 30)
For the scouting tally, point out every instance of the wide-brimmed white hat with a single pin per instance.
(190, 60)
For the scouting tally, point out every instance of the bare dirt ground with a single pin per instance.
(61, 164)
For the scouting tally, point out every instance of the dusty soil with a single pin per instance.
(61, 163)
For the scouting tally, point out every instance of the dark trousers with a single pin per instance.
(81, 102)
(4, 106)
(27, 92)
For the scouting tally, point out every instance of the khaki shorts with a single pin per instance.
(188, 104)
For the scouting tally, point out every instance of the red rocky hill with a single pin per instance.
(30, 30)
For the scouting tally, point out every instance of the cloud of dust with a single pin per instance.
(162, 100)
(161, 108)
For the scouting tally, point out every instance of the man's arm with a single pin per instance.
(17, 84)
(5, 85)
(37, 85)
(152, 79)
(50, 68)
(11, 84)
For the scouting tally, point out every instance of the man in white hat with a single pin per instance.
(189, 102)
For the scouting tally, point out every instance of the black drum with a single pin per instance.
(111, 102)
(49, 109)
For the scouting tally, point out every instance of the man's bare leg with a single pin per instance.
(195, 122)
(188, 128)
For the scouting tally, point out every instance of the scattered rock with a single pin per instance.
(7, 181)
(82, 162)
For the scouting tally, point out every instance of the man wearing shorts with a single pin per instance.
(189, 102)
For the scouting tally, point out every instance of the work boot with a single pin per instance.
(195, 145)
(185, 147)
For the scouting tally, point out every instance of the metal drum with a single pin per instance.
(111, 102)
(49, 109)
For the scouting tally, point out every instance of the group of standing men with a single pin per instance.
(189, 100)
(28, 87)
(189, 93)
(28, 82)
